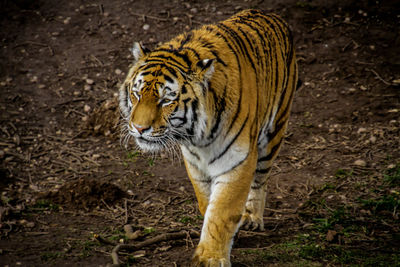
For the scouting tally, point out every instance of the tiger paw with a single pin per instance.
(202, 258)
(252, 222)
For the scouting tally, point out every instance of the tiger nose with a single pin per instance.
(140, 129)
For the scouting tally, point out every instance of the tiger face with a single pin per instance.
(159, 103)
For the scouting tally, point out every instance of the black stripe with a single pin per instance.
(258, 186)
(247, 22)
(167, 58)
(263, 170)
(168, 79)
(271, 153)
(234, 167)
(174, 52)
(188, 38)
(193, 51)
(193, 154)
(218, 34)
(153, 64)
(183, 89)
(239, 42)
(268, 54)
(231, 142)
(212, 50)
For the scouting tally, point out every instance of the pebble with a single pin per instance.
(363, 88)
(360, 163)
(352, 90)
(372, 139)
(118, 71)
(391, 166)
(67, 20)
(87, 87)
(90, 81)
(361, 130)
(146, 27)
(86, 108)
(77, 93)
(41, 86)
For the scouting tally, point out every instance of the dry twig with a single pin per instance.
(151, 241)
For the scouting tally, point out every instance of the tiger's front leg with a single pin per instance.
(222, 218)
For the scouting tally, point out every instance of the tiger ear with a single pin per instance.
(138, 51)
(206, 67)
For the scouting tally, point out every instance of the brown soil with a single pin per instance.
(66, 179)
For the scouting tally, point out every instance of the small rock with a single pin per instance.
(363, 88)
(89, 81)
(67, 20)
(118, 71)
(372, 139)
(77, 93)
(41, 86)
(30, 224)
(85, 118)
(394, 110)
(86, 108)
(87, 87)
(391, 166)
(330, 235)
(360, 163)
(97, 127)
(361, 130)
(352, 90)
(146, 27)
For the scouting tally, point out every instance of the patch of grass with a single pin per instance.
(117, 235)
(46, 205)
(343, 173)
(383, 203)
(392, 176)
(130, 261)
(132, 155)
(149, 230)
(51, 255)
(150, 161)
(87, 248)
(186, 219)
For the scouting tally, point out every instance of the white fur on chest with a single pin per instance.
(212, 160)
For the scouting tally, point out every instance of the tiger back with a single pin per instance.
(223, 94)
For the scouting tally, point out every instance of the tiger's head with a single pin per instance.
(162, 99)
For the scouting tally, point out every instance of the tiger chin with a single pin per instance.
(223, 94)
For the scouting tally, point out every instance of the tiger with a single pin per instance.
(222, 93)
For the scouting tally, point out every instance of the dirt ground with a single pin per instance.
(68, 186)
